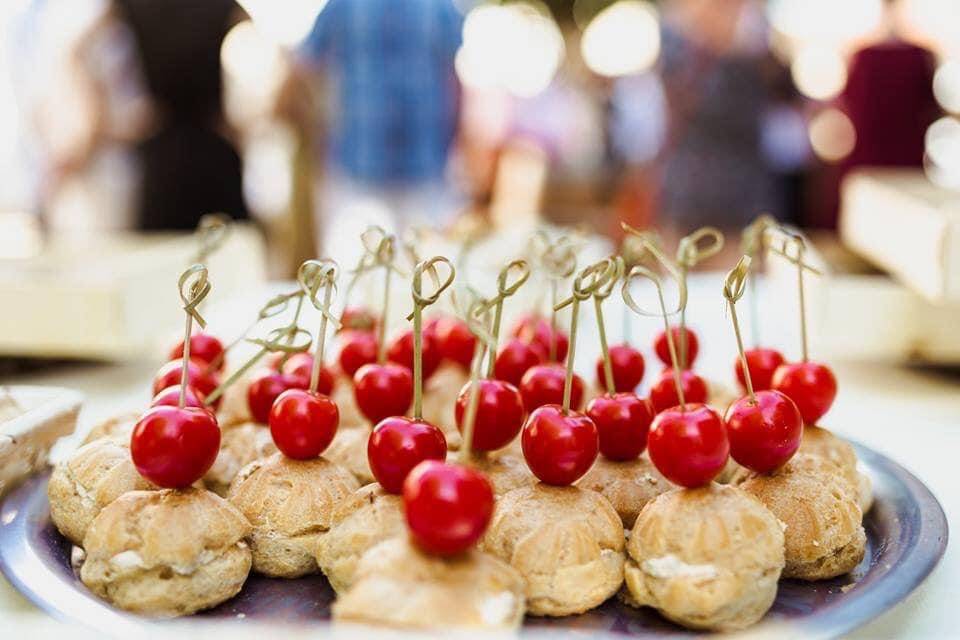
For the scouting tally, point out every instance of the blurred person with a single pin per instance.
(396, 102)
(890, 103)
(718, 77)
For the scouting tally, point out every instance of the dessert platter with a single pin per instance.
(451, 474)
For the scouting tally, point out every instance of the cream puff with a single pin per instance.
(118, 428)
(368, 517)
(349, 450)
(167, 553)
(628, 485)
(240, 445)
(95, 475)
(397, 585)
(822, 442)
(824, 536)
(342, 394)
(290, 504)
(706, 558)
(566, 542)
(440, 398)
(505, 470)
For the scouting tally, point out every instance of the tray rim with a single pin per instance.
(875, 599)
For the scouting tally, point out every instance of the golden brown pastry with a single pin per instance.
(399, 586)
(368, 517)
(240, 445)
(349, 450)
(824, 537)
(706, 558)
(342, 394)
(722, 395)
(730, 471)
(822, 442)
(94, 476)
(505, 470)
(234, 408)
(627, 485)
(566, 542)
(290, 505)
(440, 398)
(118, 428)
(167, 553)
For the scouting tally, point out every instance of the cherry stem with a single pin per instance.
(604, 349)
(321, 337)
(568, 379)
(743, 356)
(504, 291)
(803, 305)
(553, 320)
(421, 302)
(673, 351)
(733, 287)
(191, 296)
(473, 402)
(384, 309)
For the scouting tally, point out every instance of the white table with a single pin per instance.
(910, 415)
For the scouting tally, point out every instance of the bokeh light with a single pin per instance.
(832, 135)
(946, 85)
(287, 25)
(819, 72)
(515, 47)
(934, 22)
(622, 39)
(943, 152)
(836, 21)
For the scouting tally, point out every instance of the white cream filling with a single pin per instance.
(497, 609)
(130, 559)
(670, 566)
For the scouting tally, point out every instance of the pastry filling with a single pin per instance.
(670, 566)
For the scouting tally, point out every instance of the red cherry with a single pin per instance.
(627, 365)
(263, 391)
(170, 397)
(300, 365)
(662, 348)
(536, 329)
(663, 393)
(499, 414)
(400, 351)
(448, 506)
(357, 319)
(203, 348)
(559, 447)
(173, 447)
(515, 358)
(766, 433)
(543, 384)
(383, 390)
(762, 364)
(455, 340)
(303, 423)
(397, 445)
(622, 422)
(198, 377)
(688, 447)
(810, 385)
(357, 348)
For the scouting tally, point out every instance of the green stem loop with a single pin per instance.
(733, 288)
(421, 302)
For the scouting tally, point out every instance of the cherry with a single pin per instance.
(661, 346)
(762, 364)
(170, 397)
(515, 358)
(455, 340)
(810, 385)
(559, 447)
(397, 445)
(173, 447)
(543, 385)
(622, 421)
(303, 423)
(357, 319)
(447, 506)
(663, 393)
(499, 414)
(688, 447)
(264, 390)
(198, 377)
(300, 365)
(357, 348)
(536, 329)
(400, 351)
(627, 364)
(383, 390)
(203, 348)
(764, 433)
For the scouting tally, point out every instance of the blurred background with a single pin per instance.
(314, 118)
